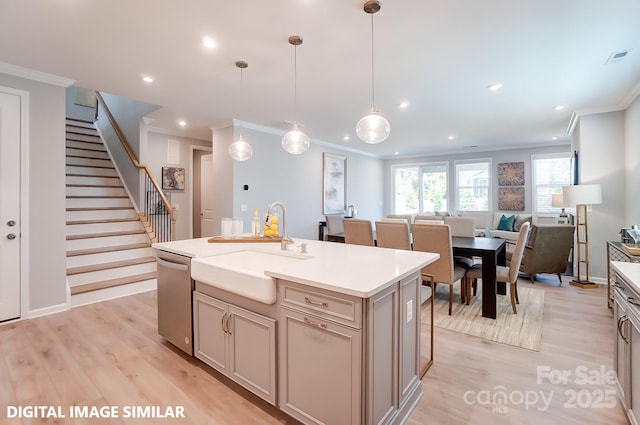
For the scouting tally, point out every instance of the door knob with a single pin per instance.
(11, 236)
(11, 223)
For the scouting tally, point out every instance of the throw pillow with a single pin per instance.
(506, 223)
(442, 214)
(520, 220)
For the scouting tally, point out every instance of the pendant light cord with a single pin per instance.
(373, 90)
(295, 85)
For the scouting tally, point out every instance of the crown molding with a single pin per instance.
(32, 74)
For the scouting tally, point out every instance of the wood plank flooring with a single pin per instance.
(109, 353)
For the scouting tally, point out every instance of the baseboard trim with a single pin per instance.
(47, 310)
(112, 293)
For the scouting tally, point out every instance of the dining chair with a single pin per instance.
(437, 239)
(428, 217)
(461, 226)
(358, 232)
(335, 228)
(393, 234)
(503, 273)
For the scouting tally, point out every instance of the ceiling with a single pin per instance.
(439, 56)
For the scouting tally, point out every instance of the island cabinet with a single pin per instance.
(345, 359)
(236, 342)
(627, 346)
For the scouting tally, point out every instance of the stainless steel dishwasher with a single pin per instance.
(175, 300)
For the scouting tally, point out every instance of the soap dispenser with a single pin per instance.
(255, 224)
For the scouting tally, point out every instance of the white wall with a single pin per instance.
(295, 180)
(73, 110)
(601, 153)
(632, 163)
(47, 233)
(156, 158)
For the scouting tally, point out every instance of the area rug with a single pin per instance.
(523, 329)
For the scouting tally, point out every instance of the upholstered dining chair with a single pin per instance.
(461, 226)
(335, 227)
(503, 273)
(393, 234)
(358, 232)
(437, 238)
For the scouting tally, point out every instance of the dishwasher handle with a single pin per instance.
(172, 265)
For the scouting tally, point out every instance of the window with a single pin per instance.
(550, 173)
(421, 188)
(473, 185)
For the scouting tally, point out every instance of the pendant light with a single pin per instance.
(295, 141)
(372, 128)
(240, 150)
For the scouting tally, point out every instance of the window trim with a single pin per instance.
(534, 199)
(488, 161)
(419, 166)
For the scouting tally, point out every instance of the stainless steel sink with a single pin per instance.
(242, 272)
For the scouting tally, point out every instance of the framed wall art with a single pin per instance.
(334, 183)
(511, 198)
(172, 178)
(511, 174)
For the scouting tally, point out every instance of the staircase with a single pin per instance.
(107, 244)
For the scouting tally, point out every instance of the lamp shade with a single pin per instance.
(582, 194)
(557, 201)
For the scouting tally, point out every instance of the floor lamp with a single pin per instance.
(581, 196)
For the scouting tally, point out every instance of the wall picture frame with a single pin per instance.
(172, 178)
(334, 183)
(511, 174)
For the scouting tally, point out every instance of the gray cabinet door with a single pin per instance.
(209, 336)
(633, 373)
(320, 372)
(382, 356)
(252, 352)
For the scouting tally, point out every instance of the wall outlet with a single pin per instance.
(409, 311)
(243, 207)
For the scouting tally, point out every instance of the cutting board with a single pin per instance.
(243, 239)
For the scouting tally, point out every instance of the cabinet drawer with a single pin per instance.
(325, 304)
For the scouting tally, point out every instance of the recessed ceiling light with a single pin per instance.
(451, 137)
(147, 79)
(182, 123)
(558, 108)
(396, 153)
(346, 137)
(554, 138)
(208, 42)
(494, 86)
(403, 105)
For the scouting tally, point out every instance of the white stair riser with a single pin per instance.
(84, 152)
(95, 191)
(98, 202)
(89, 162)
(108, 257)
(101, 215)
(86, 145)
(104, 181)
(84, 137)
(71, 121)
(99, 276)
(88, 171)
(83, 130)
(77, 244)
(82, 229)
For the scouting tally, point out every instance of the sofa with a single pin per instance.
(490, 221)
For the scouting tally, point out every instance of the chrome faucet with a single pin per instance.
(286, 240)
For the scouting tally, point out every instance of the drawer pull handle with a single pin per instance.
(318, 303)
(317, 325)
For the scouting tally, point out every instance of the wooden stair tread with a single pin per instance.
(95, 196)
(103, 220)
(88, 157)
(105, 234)
(111, 265)
(95, 185)
(90, 166)
(86, 149)
(93, 142)
(98, 208)
(103, 249)
(91, 132)
(103, 176)
(112, 282)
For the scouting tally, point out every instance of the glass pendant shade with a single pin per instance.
(240, 150)
(295, 141)
(373, 128)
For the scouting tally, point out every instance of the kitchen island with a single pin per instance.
(336, 342)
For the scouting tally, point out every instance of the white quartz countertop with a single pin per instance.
(350, 269)
(630, 272)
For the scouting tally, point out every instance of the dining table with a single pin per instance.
(493, 253)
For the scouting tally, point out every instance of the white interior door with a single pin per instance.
(206, 195)
(9, 206)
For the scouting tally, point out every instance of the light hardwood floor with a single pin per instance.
(110, 354)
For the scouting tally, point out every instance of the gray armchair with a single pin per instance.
(548, 250)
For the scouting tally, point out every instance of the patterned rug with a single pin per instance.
(522, 330)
